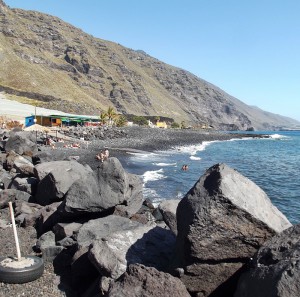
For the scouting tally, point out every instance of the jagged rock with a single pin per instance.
(47, 245)
(66, 242)
(41, 157)
(116, 186)
(56, 178)
(6, 179)
(23, 207)
(45, 218)
(21, 143)
(21, 164)
(222, 221)
(133, 196)
(63, 230)
(27, 184)
(83, 271)
(102, 227)
(275, 269)
(12, 195)
(84, 191)
(168, 210)
(140, 280)
(148, 245)
(94, 230)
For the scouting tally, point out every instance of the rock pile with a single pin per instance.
(95, 228)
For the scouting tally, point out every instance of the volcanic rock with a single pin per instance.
(168, 209)
(275, 269)
(140, 280)
(222, 221)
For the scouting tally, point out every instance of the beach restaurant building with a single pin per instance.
(61, 120)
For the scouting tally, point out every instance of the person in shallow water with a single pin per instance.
(185, 167)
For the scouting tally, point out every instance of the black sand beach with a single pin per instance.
(139, 139)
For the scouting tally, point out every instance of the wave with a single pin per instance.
(193, 149)
(165, 164)
(195, 158)
(141, 154)
(277, 136)
(153, 175)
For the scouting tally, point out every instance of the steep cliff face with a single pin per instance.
(61, 67)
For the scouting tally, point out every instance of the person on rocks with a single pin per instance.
(106, 154)
(103, 155)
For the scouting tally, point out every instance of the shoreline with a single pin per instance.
(143, 140)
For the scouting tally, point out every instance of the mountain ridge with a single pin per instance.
(61, 67)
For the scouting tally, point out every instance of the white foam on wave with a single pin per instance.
(150, 193)
(165, 164)
(153, 175)
(195, 158)
(277, 136)
(142, 155)
(193, 149)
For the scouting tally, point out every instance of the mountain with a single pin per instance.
(49, 63)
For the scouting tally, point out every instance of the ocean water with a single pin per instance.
(272, 163)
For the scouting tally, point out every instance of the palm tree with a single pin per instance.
(111, 114)
(103, 118)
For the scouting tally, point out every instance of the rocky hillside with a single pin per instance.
(52, 64)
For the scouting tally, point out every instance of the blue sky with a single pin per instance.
(250, 49)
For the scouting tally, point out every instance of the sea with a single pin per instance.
(272, 163)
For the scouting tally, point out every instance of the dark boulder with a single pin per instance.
(26, 184)
(222, 221)
(145, 244)
(22, 165)
(168, 210)
(12, 195)
(275, 269)
(85, 191)
(41, 157)
(117, 187)
(147, 281)
(22, 143)
(56, 178)
(82, 268)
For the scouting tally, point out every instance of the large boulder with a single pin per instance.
(121, 187)
(102, 227)
(222, 221)
(146, 244)
(147, 282)
(41, 157)
(85, 191)
(8, 195)
(22, 143)
(22, 165)
(275, 269)
(57, 177)
(168, 210)
(82, 269)
(26, 184)
(5, 178)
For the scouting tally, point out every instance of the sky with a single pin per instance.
(249, 49)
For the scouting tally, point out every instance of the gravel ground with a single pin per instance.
(47, 285)
(134, 139)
